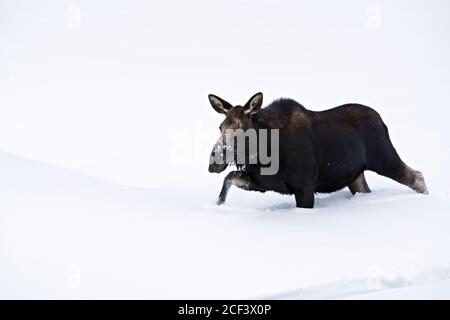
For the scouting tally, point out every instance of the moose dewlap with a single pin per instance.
(289, 149)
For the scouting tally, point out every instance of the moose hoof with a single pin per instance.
(220, 202)
(419, 183)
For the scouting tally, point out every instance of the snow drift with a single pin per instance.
(98, 98)
(65, 235)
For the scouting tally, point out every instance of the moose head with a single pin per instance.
(236, 118)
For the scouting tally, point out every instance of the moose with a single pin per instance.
(319, 151)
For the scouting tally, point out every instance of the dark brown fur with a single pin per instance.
(319, 151)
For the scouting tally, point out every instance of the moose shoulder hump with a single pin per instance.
(278, 114)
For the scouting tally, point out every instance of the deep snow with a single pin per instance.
(122, 96)
(64, 235)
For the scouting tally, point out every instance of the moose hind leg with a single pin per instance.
(359, 185)
(241, 180)
(404, 174)
(416, 180)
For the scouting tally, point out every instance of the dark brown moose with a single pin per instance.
(319, 152)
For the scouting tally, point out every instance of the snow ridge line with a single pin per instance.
(373, 282)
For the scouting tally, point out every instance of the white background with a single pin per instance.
(117, 90)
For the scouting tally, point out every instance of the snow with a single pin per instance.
(65, 235)
(429, 291)
(106, 132)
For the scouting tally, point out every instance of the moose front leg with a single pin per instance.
(304, 198)
(241, 180)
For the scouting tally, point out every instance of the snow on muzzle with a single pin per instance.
(232, 148)
(217, 159)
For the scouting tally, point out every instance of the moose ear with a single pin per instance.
(254, 104)
(220, 105)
